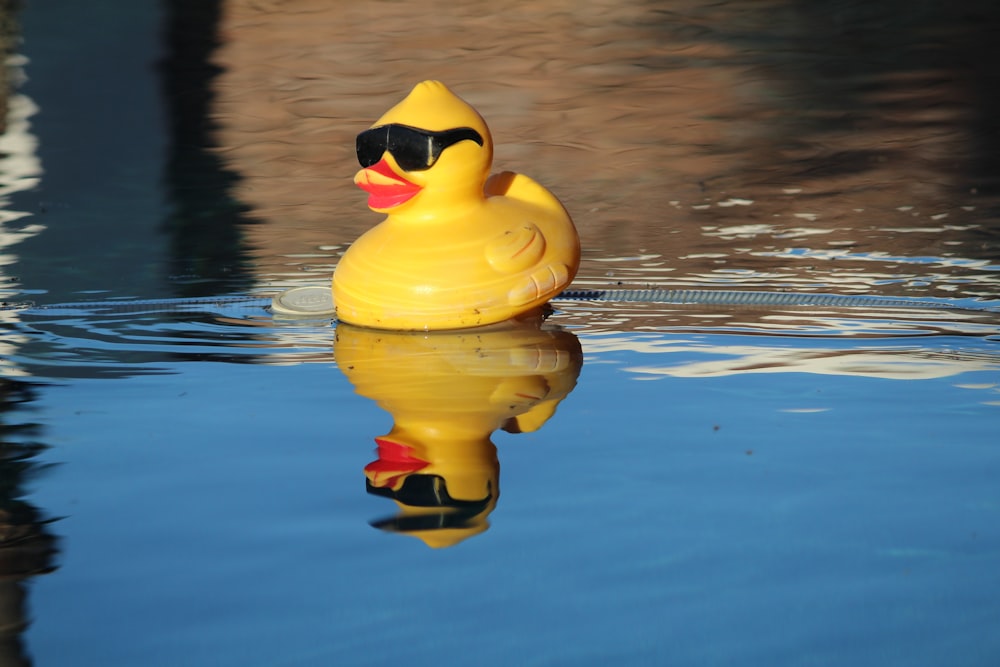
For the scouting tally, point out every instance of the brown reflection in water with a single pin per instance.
(713, 135)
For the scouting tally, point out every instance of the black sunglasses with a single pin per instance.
(413, 148)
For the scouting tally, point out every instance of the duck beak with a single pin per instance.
(386, 189)
(395, 461)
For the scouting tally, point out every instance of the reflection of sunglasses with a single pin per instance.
(428, 491)
(423, 490)
(413, 148)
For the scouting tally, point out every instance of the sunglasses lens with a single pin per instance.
(413, 150)
(371, 145)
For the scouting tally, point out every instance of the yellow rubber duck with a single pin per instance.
(447, 393)
(458, 249)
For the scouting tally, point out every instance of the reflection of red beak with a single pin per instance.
(384, 186)
(394, 462)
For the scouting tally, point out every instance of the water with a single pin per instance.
(691, 484)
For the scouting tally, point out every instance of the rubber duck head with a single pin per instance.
(444, 489)
(431, 150)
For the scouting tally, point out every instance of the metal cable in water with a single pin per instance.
(749, 298)
(705, 297)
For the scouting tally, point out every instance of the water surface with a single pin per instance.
(631, 482)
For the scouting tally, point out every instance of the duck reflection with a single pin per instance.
(447, 393)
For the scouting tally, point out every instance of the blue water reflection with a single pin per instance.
(680, 519)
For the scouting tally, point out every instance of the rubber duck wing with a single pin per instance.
(522, 245)
(517, 249)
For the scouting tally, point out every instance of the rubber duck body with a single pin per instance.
(457, 249)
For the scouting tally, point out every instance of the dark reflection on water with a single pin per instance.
(205, 225)
(108, 340)
(27, 546)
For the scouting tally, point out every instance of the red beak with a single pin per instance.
(395, 461)
(384, 186)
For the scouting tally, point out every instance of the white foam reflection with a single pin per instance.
(893, 363)
(715, 353)
(20, 170)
